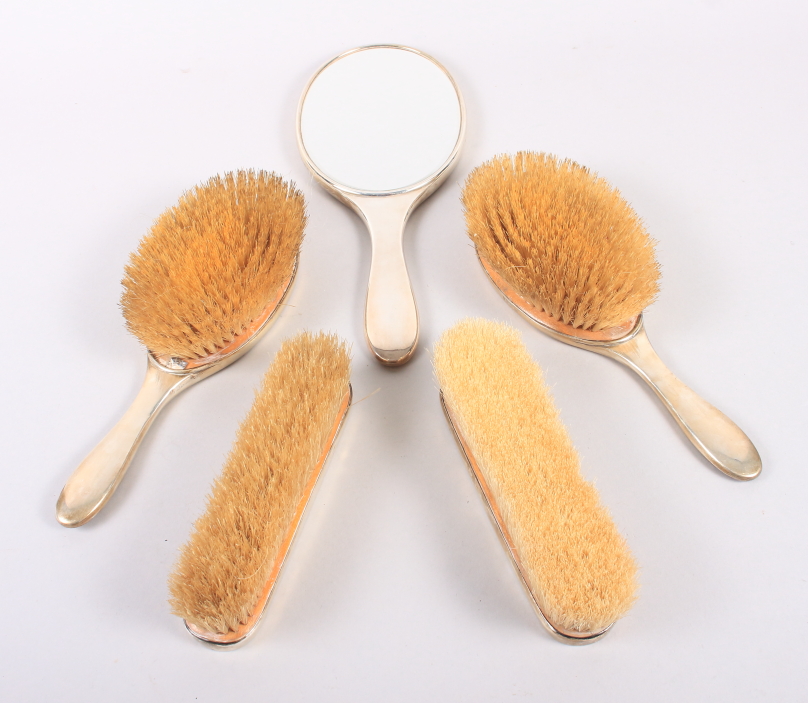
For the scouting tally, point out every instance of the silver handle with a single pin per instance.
(391, 318)
(717, 437)
(95, 480)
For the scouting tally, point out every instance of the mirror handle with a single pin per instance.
(391, 317)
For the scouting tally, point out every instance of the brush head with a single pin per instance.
(577, 566)
(224, 568)
(563, 238)
(212, 263)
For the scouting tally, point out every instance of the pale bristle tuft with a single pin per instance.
(224, 567)
(577, 564)
(563, 238)
(213, 263)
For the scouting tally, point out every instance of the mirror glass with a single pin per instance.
(380, 119)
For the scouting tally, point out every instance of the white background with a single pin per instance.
(397, 588)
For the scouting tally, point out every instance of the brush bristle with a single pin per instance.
(577, 564)
(224, 567)
(563, 238)
(212, 263)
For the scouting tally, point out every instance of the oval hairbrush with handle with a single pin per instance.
(202, 288)
(568, 252)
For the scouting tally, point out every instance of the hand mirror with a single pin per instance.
(380, 127)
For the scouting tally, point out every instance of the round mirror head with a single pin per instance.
(380, 119)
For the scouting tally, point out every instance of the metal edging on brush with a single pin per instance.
(522, 306)
(221, 360)
(562, 635)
